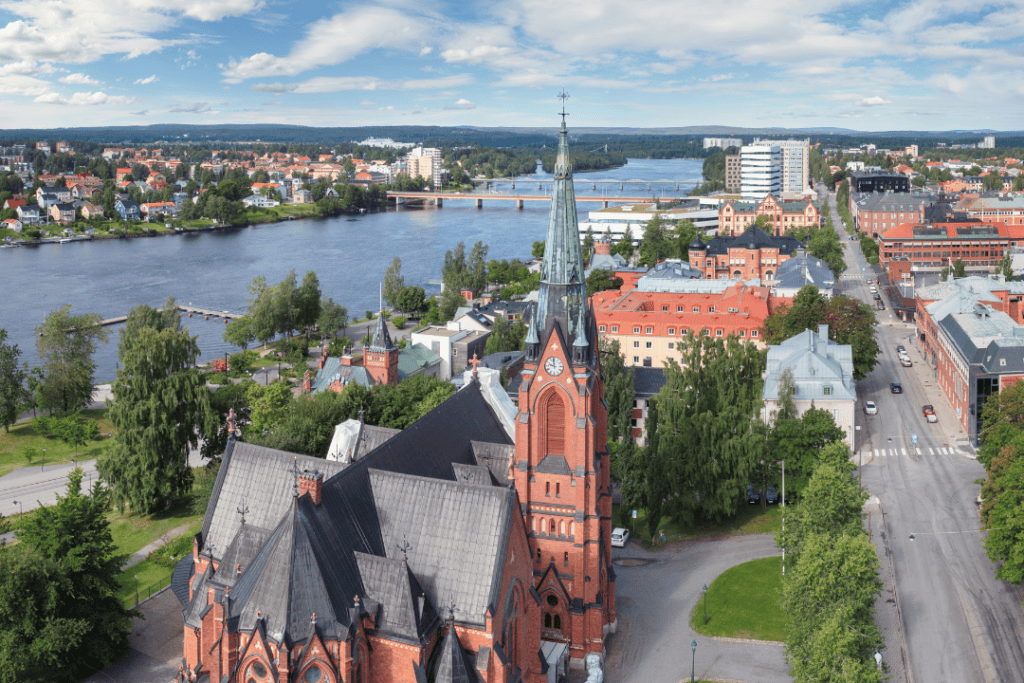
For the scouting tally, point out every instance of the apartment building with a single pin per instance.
(932, 246)
(724, 143)
(874, 213)
(1007, 209)
(732, 173)
(752, 254)
(795, 163)
(878, 181)
(760, 171)
(736, 217)
(425, 162)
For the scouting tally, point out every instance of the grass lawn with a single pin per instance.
(132, 532)
(743, 602)
(155, 572)
(23, 447)
(750, 519)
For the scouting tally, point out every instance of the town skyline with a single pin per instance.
(914, 65)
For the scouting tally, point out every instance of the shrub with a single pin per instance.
(216, 378)
(219, 365)
(242, 363)
(399, 321)
(339, 346)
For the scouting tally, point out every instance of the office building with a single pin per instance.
(795, 163)
(760, 171)
(732, 172)
(724, 143)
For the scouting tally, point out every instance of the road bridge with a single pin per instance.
(437, 198)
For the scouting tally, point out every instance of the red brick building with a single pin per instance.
(753, 254)
(934, 246)
(474, 545)
(736, 217)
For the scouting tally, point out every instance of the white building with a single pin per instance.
(795, 163)
(988, 143)
(822, 372)
(425, 162)
(724, 143)
(703, 211)
(760, 171)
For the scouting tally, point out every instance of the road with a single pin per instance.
(959, 623)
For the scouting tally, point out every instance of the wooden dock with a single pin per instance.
(192, 311)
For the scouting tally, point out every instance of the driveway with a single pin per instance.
(655, 592)
(156, 643)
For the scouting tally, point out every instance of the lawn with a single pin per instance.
(23, 447)
(743, 602)
(751, 519)
(155, 572)
(132, 532)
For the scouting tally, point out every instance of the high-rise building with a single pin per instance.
(732, 172)
(425, 162)
(760, 171)
(724, 143)
(795, 163)
(988, 143)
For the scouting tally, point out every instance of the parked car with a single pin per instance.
(753, 495)
(906, 362)
(900, 348)
(880, 305)
(878, 297)
(896, 388)
(771, 496)
(620, 537)
(870, 408)
(929, 414)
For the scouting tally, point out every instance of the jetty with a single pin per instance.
(191, 310)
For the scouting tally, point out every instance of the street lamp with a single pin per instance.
(43, 463)
(21, 505)
(693, 660)
(136, 589)
(705, 603)
(878, 661)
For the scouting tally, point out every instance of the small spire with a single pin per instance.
(581, 329)
(295, 471)
(475, 362)
(452, 609)
(563, 96)
(242, 509)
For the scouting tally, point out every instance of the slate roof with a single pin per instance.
(334, 369)
(987, 338)
(381, 337)
(753, 238)
(404, 610)
(816, 362)
(414, 359)
(798, 271)
(312, 559)
(647, 381)
(453, 665)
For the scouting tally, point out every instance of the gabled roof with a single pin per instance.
(335, 370)
(816, 362)
(415, 358)
(404, 610)
(798, 271)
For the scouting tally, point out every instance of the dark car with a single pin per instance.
(896, 388)
(878, 297)
(880, 305)
(753, 496)
(899, 348)
(771, 496)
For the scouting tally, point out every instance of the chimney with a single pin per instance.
(311, 483)
(324, 355)
(307, 382)
(346, 359)
(823, 333)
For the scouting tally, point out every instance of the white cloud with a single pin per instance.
(873, 101)
(78, 79)
(83, 99)
(195, 108)
(426, 51)
(461, 104)
(147, 81)
(346, 83)
(949, 83)
(367, 103)
(335, 40)
(139, 113)
(26, 67)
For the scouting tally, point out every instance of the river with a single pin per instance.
(349, 255)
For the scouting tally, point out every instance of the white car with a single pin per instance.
(870, 408)
(620, 537)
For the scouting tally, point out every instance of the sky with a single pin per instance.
(918, 65)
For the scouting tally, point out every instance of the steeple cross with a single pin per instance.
(563, 96)
(295, 472)
(405, 548)
(452, 609)
(474, 361)
(242, 509)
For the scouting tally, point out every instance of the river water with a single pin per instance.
(349, 255)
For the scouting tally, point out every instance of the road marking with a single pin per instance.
(918, 451)
(904, 451)
(876, 452)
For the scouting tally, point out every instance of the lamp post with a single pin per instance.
(693, 660)
(20, 504)
(43, 463)
(705, 603)
(136, 589)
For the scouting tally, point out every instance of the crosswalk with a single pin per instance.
(912, 451)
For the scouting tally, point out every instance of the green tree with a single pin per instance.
(624, 247)
(1002, 422)
(506, 336)
(65, 344)
(959, 269)
(228, 397)
(654, 245)
(832, 503)
(709, 428)
(1006, 266)
(307, 302)
(333, 317)
(12, 382)
(393, 282)
(262, 312)
(992, 181)
(799, 441)
(538, 249)
(269, 406)
(588, 245)
(618, 390)
(1005, 523)
(411, 299)
(160, 400)
(286, 311)
(239, 332)
(600, 279)
(684, 234)
(74, 535)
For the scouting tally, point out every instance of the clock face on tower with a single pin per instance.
(554, 366)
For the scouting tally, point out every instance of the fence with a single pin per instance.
(147, 592)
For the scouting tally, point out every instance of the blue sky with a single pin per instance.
(925, 65)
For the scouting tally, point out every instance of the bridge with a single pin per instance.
(437, 198)
(190, 309)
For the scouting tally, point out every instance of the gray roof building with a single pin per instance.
(799, 271)
(822, 369)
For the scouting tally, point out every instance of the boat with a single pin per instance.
(64, 240)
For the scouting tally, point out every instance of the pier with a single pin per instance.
(191, 310)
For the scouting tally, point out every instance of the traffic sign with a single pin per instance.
(634, 514)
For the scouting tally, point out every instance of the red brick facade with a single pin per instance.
(734, 218)
(978, 245)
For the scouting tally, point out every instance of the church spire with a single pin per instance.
(562, 284)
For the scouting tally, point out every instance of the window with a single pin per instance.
(718, 333)
(696, 309)
(552, 526)
(647, 362)
(636, 345)
(547, 489)
(615, 328)
(679, 309)
(826, 390)
(664, 309)
(743, 333)
(671, 345)
(566, 560)
(671, 330)
(558, 490)
(555, 422)
(753, 333)
(636, 359)
(650, 330)
(313, 675)
(547, 620)
(601, 328)
(636, 330)
(648, 344)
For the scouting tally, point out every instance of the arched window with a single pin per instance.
(558, 490)
(558, 622)
(561, 528)
(552, 526)
(547, 488)
(533, 524)
(547, 620)
(554, 423)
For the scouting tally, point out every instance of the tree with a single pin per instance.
(411, 299)
(77, 555)
(538, 249)
(624, 247)
(12, 382)
(709, 430)
(1005, 524)
(832, 504)
(601, 279)
(684, 235)
(393, 282)
(160, 400)
(1002, 422)
(588, 244)
(226, 398)
(654, 245)
(269, 405)
(1006, 266)
(239, 332)
(992, 181)
(307, 302)
(262, 312)
(477, 267)
(333, 317)
(286, 311)
(959, 269)
(799, 442)
(65, 344)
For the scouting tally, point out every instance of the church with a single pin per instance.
(472, 546)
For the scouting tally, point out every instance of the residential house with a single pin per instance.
(128, 209)
(822, 373)
(798, 272)
(13, 224)
(736, 217)
(62, 213)
(29, 214)
(302, 197)
(753, 254)
(259, 201)
(454, 347)
(90, 211)
(14, 202)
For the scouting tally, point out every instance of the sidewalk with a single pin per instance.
(143, 553)
(887, 608)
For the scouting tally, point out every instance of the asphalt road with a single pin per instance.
(959, 623)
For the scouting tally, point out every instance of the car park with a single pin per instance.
(870, 408)
(620, 537)
(896, 388)
(929, 414)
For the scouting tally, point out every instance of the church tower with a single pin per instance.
(380, 358)
(562, 465)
